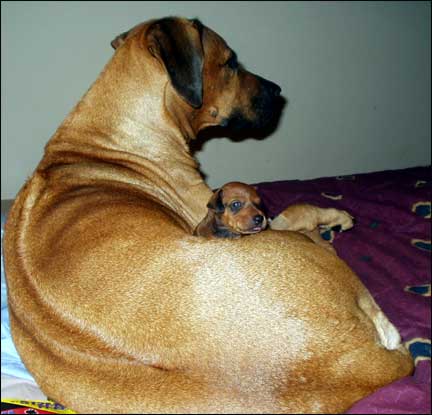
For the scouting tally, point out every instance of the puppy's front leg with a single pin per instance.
(303, 217)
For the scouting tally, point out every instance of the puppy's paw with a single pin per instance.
(341, 220)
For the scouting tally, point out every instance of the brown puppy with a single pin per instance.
(233, 210)
(116, 307)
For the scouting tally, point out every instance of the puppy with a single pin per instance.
(233, 211)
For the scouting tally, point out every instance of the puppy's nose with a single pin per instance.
(258, 219)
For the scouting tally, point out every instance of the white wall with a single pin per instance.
(356, 74)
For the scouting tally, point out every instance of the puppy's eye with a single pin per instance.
(235, 206)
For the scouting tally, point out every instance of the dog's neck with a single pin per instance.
(127, 119)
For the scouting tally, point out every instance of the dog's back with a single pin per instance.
(215, 329)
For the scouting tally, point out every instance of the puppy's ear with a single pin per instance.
(216, 203)
(178, 46)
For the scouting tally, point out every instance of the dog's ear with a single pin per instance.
(216, 203)
(119, 40)
(178, 46)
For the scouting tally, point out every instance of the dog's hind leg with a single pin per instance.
(387, 332)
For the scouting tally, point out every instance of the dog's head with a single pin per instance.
(236, 206)
(212, 88)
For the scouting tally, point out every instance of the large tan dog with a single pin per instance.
(116, 307)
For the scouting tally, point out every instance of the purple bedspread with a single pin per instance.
(389, 248)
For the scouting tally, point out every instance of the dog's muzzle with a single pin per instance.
(264, 107)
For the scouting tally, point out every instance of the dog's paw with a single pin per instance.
(388, 333)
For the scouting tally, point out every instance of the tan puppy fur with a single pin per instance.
(307, 219)
(303, 217)
(116, 307)
(233, 210)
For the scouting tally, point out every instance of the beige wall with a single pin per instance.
(356, 74)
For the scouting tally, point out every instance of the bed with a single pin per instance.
(389, 248)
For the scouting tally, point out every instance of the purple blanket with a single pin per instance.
(389, 249)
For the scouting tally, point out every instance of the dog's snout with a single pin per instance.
(275, 89)
(258, 219)
(271, 88)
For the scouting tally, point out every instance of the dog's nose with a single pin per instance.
(271, 88)
(275, 89)
(258, 219)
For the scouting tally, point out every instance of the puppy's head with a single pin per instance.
(237, 207)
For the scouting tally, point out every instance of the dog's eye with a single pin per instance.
(235, 206)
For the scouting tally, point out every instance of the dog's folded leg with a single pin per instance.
(387, 332)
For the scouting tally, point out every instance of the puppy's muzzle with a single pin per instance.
(258, 220)
(258, 223)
